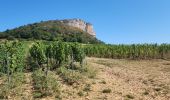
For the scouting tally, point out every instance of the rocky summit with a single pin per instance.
(79, 23)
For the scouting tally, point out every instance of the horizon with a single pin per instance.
(115, 22)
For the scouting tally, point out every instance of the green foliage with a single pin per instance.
(129, 96)
(4, 93)
(59, 52)
(107, 91)
(44, 85)
(12, 58)
(80, 93)
(103, 82)
(69, 76)
(12, 88)
(37, 53)
(62, 53)
(146, 93)
(49, 51)
(88, 71)
(17, 79)
(49, 30)
(87, 88)
(39, 80)
(37, 95)
(78, 54)
(135, 51)
(12, 62)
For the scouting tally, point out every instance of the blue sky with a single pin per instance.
(115, 21)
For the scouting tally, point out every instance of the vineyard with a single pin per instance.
(135, 51)
(43, 57)
(46, 60)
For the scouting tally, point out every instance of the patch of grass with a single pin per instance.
(92, 73)
(85, 70)
(58, 97)
(151, 80)
(107, 91)
(37, 95)
(146, 93)
(40, 82)
(93, 82)
(45, 85)
(14, 87)
(103, 82)
(80, 93)
(157, 89)
(2, 74)
(61, 70)
(102, 62)
(165, 92)
(166, 63)
(17, 79)
(69, 76)
(88, 71)
(4, 91)
(87, 88)
(144, 82)
(129, 96)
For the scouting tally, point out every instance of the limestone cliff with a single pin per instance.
(78, 23)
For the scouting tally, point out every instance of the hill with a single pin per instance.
(72, 30)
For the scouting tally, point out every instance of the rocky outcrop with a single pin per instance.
(78, 23)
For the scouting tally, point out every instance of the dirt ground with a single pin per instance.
(117, 79)
(127, 79)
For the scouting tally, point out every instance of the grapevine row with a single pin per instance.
(135, 51)
(56, 54)
(12, 57)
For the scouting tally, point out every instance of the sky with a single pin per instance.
(114, 21)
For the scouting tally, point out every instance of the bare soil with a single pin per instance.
(127, 79)
(117, 79)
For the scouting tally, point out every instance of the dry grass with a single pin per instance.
(132, 79)
(117, 80)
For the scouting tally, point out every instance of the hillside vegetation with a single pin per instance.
(61, 70)
(134, 51)
(49, 30)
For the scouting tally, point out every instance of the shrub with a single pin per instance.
(157, 89)
(4, 91)
(69, 76)
(80, 93)
(103, 82)
(130, 96)
(14, 87)
(37, 94)
(87, 88)
(45, 85)
(146, 93)
(17, 79)
(53, 85)
(88, 71)
(107, 91)
(39, 80)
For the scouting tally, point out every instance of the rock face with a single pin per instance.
(78, 23)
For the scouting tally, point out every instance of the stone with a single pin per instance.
(78, 23)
